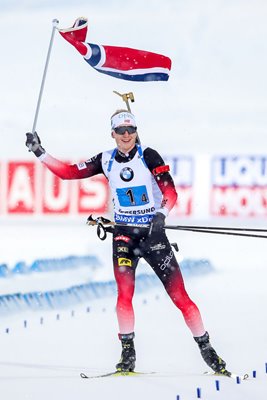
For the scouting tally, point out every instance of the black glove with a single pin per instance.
(33, 142)
(157, 223)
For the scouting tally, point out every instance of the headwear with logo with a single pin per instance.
(122, 118)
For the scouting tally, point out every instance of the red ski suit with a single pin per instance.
(132, 242)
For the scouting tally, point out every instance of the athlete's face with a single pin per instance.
(125, 141)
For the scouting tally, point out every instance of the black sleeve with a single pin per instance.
(152, 158)
(163, 179)
(94, 164)
(81, 170)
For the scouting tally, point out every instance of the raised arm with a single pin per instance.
(62, 170)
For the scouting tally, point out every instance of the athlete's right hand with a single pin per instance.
(33, 143)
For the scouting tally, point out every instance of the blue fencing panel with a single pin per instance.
(56, 299)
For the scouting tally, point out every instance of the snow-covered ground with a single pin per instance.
(44, 359)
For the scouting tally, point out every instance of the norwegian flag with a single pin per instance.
(119, 62)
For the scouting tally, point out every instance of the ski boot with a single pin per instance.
(209, 354)
(127, 360)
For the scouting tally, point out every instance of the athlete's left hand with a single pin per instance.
(33, 142)
(157, 223)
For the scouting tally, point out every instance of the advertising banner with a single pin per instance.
(207, 186)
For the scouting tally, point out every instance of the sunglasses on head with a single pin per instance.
(120, 130)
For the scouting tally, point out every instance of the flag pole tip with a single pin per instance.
(55, 22)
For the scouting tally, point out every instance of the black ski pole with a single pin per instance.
(218, 232)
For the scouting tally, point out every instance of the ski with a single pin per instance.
(225, 373)
(115, 374)
(228, 374)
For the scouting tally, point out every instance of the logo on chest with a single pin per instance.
(127, 174)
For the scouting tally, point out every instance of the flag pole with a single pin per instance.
(55, 23)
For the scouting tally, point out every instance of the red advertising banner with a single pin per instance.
(29, 188)
(55, 194)
(226, 186)
(93, 194)
(20, 187)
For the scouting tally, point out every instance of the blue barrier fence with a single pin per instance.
(50, 264)
(56, 299)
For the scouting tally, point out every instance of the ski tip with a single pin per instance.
(241, 377)
(228, 374)
(115, 373)
(109, 374)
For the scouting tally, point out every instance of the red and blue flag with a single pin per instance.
(119, 62)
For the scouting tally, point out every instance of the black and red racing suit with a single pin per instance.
(130, 243)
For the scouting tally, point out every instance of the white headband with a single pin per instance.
(123, 118)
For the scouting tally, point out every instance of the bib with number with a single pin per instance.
(135, 192)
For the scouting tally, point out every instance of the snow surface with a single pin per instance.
(44, 360)
(215, 101)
